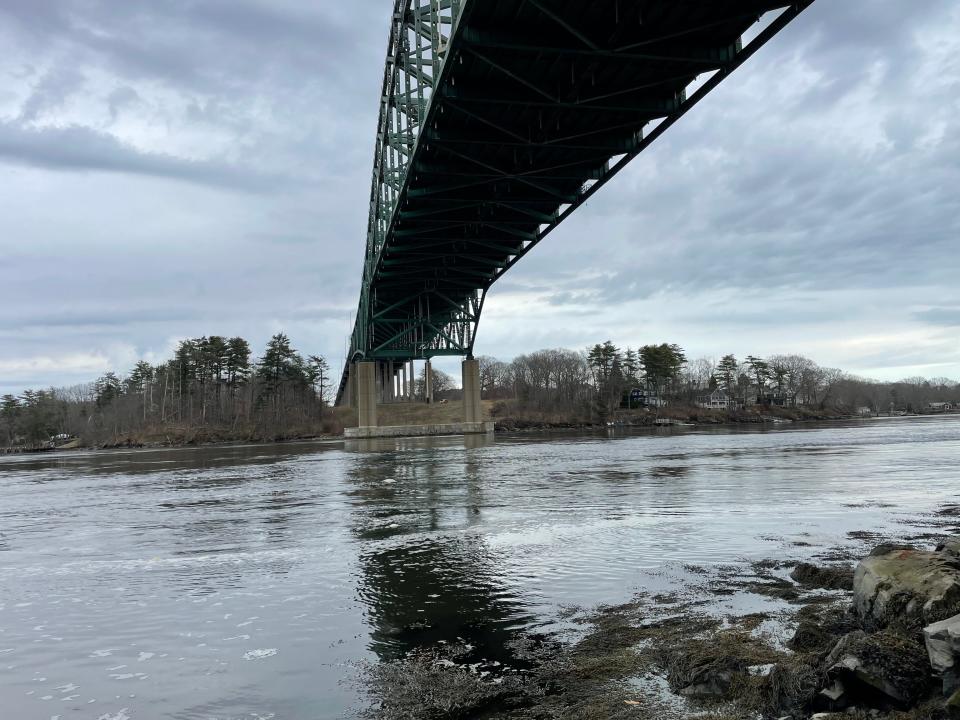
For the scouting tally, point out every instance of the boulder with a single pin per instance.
(905, 585)
(881, 670)
(943, 650)
(708, 682)
(950, 547)
(943, 643)
(827, 577)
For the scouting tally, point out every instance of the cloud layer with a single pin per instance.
(178, 169)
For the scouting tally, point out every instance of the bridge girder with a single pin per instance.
(498, 119)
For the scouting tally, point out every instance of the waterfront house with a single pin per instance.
(939, 406)
(646, 397)
(717, 400)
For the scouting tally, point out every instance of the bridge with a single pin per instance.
(498, 119)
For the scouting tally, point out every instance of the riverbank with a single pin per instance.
(173, 435)
(510, 417)
(811, 640)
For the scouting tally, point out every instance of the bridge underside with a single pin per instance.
(533, 105)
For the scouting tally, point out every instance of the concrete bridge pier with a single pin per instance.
(366, 392)
(373, 382)
(470, 370)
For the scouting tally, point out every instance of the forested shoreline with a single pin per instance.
(211, 389)
(596, 384)
(214, 389)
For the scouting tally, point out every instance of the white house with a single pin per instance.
(717, 400)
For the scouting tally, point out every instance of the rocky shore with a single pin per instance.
(511, 420)
(872, 636)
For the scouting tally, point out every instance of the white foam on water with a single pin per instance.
(121, 715)
(68, 687)
(237, 637)
(145, 656)
(102, 653)
(118, 667)
(260, 653)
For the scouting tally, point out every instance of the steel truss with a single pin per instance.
(498, 119)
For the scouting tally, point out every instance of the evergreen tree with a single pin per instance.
(106, 389)
(237, 361)
(727, 373)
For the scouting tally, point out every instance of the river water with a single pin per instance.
(255, 581)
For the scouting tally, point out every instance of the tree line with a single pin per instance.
(211, 386)
(599, 380)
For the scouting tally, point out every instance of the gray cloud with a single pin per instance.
(77, 148)
(51, 91)
(945, 316)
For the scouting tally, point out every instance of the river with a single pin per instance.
(256, 581)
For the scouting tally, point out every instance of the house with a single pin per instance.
(864, 411)
(939, 406)
(746, 397)
(645, 397)
(778, 399)
(717, 400)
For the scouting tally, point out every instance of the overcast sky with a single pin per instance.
(174, 168)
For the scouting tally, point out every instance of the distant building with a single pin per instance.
(645, 397)
(939, 406)
(717, 400)
(785, 399)
(864, 411)
(749, 396)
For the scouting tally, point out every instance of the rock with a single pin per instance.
(826, 577)
(708, 682)
(953, 705)
(950, 547)
(882, 669)
(833, 697)
(909, 586)
(844, 646)
(942, 640)
(943, 644)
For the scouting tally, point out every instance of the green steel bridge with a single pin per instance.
(498, 119)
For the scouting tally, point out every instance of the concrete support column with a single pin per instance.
(350, 391)
(471, 391)
(366, 373)
(428, 382)
(403, 382)
(411, 381)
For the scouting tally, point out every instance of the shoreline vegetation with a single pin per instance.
(513, 424)
(213, 390)
(860, 630)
